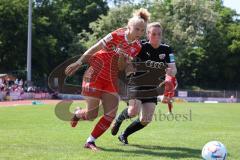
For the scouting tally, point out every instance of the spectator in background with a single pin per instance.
(1, 83)
(16, 82)
(20, 83)
(1, 94)
(232, 99)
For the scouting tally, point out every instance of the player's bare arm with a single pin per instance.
(72, 68)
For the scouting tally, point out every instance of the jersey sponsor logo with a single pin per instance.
(153, 64)
(172, 58)
(162, 56)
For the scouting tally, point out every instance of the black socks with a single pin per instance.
(133, 127)
(123, 116)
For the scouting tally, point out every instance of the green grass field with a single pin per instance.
(35, 133)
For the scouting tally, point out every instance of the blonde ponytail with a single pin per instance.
(140, 14)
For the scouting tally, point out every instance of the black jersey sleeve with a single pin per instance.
(170, 55)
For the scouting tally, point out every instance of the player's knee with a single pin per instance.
(145, 123)
(132, 111)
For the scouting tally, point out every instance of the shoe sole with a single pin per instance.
(122, 141)
(95, 149)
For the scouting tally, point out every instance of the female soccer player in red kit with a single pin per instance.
(100, 79)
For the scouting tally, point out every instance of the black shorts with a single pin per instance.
(138, 94)
(149, 100)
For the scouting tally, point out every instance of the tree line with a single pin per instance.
(204, 34)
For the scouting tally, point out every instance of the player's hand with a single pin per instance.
(72, 68)
(130, 69)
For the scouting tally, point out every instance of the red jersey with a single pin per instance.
(105, 61)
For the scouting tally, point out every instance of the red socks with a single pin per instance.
(102, 125)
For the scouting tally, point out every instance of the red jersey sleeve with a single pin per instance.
(110, 41)
(116, 41)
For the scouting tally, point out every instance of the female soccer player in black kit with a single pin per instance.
(154, 51)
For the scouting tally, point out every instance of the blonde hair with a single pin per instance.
(140, 14)
(154, 24)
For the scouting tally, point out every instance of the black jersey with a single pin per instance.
(154, 60)
(163, 53)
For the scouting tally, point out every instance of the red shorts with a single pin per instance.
(97, 87)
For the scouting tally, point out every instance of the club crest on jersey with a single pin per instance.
(162, 56)
(133, 50)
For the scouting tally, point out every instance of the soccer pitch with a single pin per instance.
(35, 133)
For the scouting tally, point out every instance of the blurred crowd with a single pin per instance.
(9, 85)
(19, 86)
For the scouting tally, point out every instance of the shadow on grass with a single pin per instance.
(159, 151)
